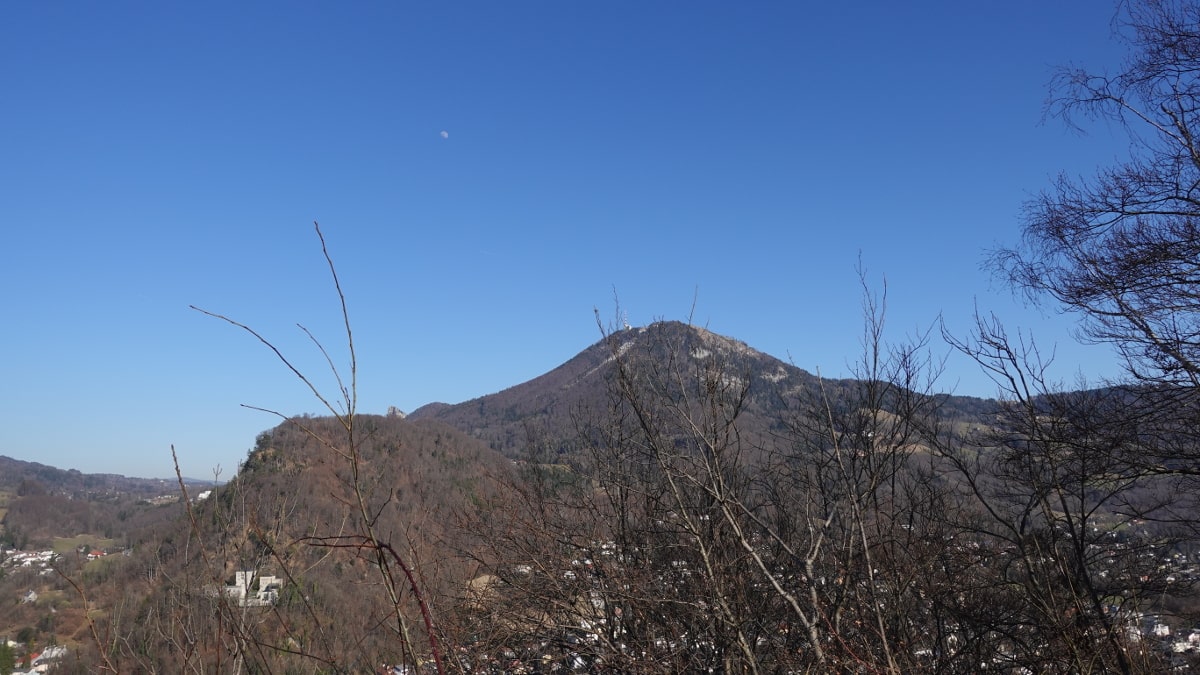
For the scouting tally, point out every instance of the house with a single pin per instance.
(243, 591)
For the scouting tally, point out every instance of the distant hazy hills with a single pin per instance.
(14, 473)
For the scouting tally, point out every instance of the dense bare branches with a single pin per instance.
(1055, 514)
(692, 540)
(1122, 248)
(1086, 487)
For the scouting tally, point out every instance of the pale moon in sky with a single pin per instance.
(445, 134)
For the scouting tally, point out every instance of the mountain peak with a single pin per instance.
(549, 402)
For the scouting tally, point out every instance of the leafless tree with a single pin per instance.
(1052, 520)
(1122, 248)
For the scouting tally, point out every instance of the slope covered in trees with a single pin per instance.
(291, 518)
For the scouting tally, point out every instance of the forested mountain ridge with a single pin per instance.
(548, 409)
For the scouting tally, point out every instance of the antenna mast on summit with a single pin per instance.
(625, 320)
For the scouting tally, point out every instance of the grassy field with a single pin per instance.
(68, 544)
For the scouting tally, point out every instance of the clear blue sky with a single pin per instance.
(156, 155)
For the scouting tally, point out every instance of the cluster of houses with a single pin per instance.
(39, 662)
(42, 561)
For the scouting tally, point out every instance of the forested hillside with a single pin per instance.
(309, 522)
